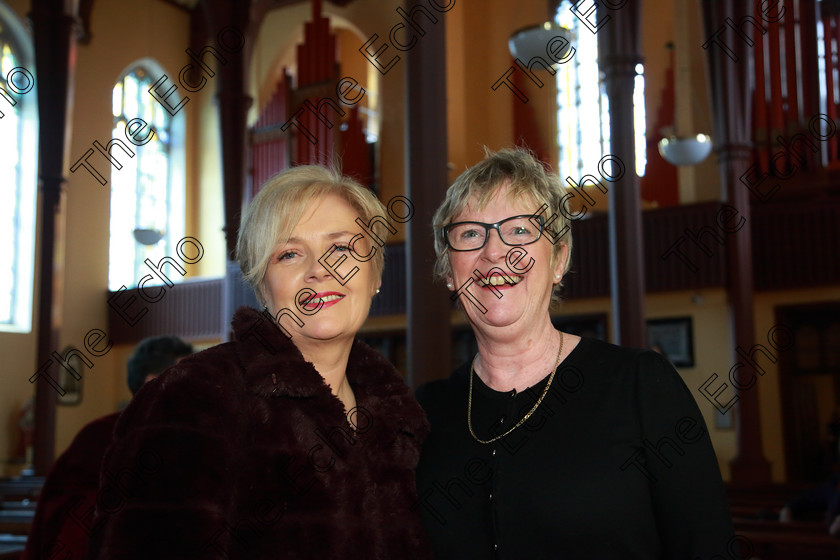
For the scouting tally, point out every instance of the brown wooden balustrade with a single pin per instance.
(795, 245)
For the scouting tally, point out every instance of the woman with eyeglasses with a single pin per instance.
(547, 445)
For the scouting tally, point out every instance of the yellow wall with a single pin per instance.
(209, 196)
(477, 56)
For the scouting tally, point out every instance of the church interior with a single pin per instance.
(697, 139)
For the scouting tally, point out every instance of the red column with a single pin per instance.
(731, 103)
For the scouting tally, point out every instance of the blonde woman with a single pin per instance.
(293, 441)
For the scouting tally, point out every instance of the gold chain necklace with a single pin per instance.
(524, 418)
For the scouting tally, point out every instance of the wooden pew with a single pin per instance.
(773, 496)
(21, 488)
(16, 522)
(796, 527)
(766, 502)
(772, 540)
(11, 551)
(18, 500)
(11, 546)
(755, 512)
(771, 545)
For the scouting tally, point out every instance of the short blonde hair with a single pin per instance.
(527, 177)
(271, 216)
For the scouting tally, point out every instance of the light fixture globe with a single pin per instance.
(549, 41)
(148, 236)
(689, 150)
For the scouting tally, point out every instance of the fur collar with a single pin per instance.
(275, 367)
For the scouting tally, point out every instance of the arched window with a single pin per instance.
(582, 102)
(147, 194)
(18, 174)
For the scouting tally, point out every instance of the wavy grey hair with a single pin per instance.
(528, 179)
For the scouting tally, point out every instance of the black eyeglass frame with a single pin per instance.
(538, 220)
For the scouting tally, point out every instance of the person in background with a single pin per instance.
(67, 500)
(549, 445)
(821, 501)
(295, 440)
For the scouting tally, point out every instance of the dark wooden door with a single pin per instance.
(809, 376)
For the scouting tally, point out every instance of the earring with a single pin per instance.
(557, 276)
(377, 290)
(449, 285)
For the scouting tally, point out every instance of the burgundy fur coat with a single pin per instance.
(242, 452)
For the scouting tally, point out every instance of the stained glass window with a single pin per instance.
(142, 193)
(18, 168)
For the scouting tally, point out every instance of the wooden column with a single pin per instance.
(619, 53)
(234, 102)
(732, 107)
(54, 26)
(429, 336)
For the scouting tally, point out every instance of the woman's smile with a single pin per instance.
(322, 300)
(499, 281)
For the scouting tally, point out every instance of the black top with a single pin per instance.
(615, 463)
